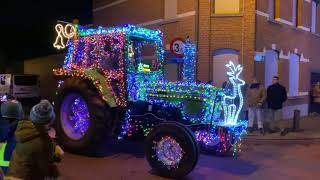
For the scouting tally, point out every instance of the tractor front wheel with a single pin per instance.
(172, 150)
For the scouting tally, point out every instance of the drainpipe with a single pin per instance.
(197, 34)
(197, 22)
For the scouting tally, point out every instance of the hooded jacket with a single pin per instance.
(33, 157)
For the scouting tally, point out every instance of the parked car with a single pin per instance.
(20, 86)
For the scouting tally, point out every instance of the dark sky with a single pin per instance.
(27, 26)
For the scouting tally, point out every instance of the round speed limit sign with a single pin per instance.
(176, 47)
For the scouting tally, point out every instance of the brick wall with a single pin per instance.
(131, 11)
(236, 32)
(203, 45)
(318, 20)
(288, 38)
(262, 5)
(186, 6)
(306, 14)
(286, 9)
(248, 37)
(182, 27)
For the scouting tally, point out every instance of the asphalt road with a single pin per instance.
(256, 161)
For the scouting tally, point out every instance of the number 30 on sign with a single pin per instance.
(176, 47)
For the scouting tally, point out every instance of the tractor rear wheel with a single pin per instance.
(81, 117)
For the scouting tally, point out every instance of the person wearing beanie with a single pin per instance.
(11, 112)
(34, 155)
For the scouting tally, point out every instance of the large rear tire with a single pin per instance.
(172, 150)
(81, 117)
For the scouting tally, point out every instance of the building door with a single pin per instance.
(314, 107)
(221, 57)
(315, 77)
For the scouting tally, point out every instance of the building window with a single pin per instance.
(274, 9)
(226, 6)
(297, 16)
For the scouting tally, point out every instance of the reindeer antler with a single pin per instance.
(234, 70)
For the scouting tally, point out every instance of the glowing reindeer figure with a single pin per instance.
(231, 111)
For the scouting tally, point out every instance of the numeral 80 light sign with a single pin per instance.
(176, 47)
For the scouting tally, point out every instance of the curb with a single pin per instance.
(282, 141)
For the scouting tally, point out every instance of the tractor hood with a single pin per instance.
(183, 90)
(198, 101)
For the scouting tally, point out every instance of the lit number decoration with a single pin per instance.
(177, 47)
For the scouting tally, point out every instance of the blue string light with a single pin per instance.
(198, 103)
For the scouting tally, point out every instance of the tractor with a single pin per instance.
(112, 88)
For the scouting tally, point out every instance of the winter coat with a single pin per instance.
(7, 140)
(7, 129)
(1, 174)
(33, 157)
(276, 96)
(316, 94)
(255, 95)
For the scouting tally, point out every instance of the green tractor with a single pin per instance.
(112, 87)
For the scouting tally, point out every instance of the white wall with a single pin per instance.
(294, 61)
(271, 66)
(288, 111)
(171, 72)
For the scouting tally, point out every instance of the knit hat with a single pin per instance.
(42, 113)
(12, 109)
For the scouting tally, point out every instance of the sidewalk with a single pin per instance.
(310, 131)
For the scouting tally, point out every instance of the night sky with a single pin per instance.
(27, 26)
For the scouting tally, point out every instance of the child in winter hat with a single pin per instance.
(42, 113)
(35, 154)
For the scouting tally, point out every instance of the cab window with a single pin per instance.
(143, 56)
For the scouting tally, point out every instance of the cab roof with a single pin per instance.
(128, 29)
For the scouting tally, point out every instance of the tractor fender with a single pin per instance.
(94, 77)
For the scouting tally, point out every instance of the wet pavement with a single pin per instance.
(256, 161)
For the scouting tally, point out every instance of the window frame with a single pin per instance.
(274, 9)
(212, 6)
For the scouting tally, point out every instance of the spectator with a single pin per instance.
(276, 96)
(244, 110)
(316, 93)
(12, 112)
(34, 155)
(255, 97)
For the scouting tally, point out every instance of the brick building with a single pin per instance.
(269, 37)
